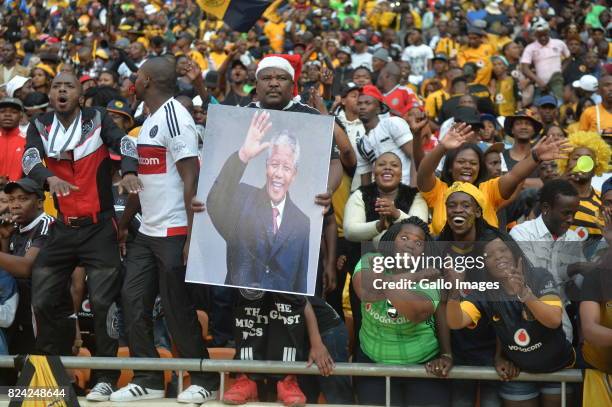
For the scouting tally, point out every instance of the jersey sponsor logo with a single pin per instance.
(153, 131)
(151, 160)
(86, 306)
(148, 161)
(521, 337)
(582, 232)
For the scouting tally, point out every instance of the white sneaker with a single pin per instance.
(134, 392)
(100, 392)
(197, 395)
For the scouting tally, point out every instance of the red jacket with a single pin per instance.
(88, 166)
(12, 145)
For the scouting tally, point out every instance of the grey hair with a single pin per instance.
(284, 138)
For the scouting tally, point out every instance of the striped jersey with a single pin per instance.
(166, 137)
(586, 221)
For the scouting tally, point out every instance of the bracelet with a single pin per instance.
(447, 356)
(535, 157)
(78, 343)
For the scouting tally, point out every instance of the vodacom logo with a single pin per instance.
(148, 161)
(521, 337)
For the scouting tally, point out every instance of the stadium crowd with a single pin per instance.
(462, 128)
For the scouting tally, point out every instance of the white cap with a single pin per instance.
(197, 101)
(150, 9)
(15, 84)
(275, 62)
(588, 83)
(540, 25)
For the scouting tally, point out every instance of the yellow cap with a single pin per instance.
(467, 188)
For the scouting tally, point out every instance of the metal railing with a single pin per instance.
(255, 366)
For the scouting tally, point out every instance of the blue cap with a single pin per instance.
(546, 100)
(607, 186)
(490, 118)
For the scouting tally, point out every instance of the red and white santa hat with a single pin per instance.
(292, 64)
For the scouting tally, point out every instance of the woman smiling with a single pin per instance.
(465, 163)
(373, 208)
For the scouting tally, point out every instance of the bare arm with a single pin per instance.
(593, 331)
(19, 267)
(545, 150)
(188, 171)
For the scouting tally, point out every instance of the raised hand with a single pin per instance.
(417, 122)
(458, 134)
(548, 149)
(252, 145)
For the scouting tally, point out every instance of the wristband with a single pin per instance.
(535, 157)
(447, 356)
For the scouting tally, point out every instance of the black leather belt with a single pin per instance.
(81, 221)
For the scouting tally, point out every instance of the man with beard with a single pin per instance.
(67, 151)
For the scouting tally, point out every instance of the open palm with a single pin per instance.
(252, 145)
(548, 149)
(458, 134)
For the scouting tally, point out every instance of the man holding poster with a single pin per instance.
(266, 233)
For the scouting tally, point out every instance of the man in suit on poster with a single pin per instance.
(267, 235)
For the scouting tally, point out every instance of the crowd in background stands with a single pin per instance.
(463, 128)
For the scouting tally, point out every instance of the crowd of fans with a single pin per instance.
(462, 128)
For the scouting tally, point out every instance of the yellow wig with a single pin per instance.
(592, 141)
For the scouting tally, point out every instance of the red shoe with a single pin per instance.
(288, 392)
(242, 391)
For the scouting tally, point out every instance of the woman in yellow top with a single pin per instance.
(465, 162)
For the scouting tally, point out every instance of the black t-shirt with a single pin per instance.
(472, 347)
(34, 234)
(233, 99)
(574, 70)
(511, 162)
(525, 341)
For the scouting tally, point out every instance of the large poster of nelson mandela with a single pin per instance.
(260, 172)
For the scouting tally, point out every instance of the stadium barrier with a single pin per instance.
(276, 367)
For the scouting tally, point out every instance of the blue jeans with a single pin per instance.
(336, 389)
